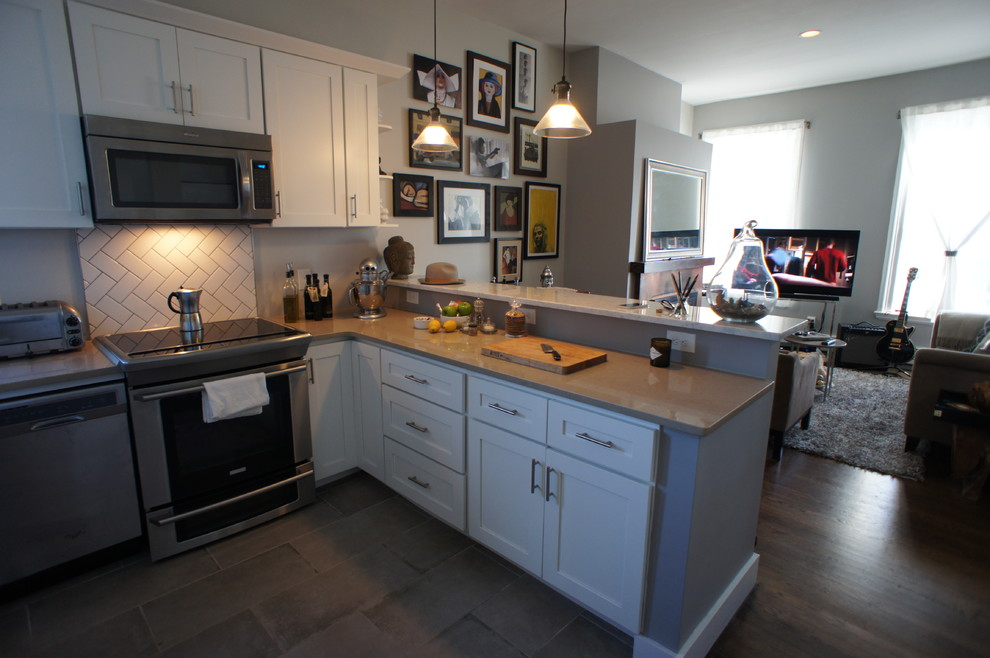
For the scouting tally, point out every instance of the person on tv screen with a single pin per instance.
(827, 263)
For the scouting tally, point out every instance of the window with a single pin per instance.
(940, 221)
(755, 174)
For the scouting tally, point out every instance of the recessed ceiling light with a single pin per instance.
(807, 34)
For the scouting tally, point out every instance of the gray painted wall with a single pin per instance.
(850, 158)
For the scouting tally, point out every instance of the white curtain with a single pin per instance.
(941, 215)
(755, 175)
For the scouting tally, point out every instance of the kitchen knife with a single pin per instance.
(547, 349)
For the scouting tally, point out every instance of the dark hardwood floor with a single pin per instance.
(854, 563)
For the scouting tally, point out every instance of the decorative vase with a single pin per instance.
(743, 290)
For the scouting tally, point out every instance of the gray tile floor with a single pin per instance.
(359, 573)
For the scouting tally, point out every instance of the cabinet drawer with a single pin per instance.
(433, 487)
(513, 409)
(425, 427)
(615, 442)
(438, 384)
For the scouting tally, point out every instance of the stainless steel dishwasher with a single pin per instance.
(67, 484)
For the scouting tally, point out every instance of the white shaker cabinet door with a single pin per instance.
(594, 546)
(221, 83)
(361, 139)
(304, 109)
(127, 67)
(367, 362)
(331, 408)
(506, 494)
(44, 184)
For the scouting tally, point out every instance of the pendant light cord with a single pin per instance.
(435, 62)
(563, 72)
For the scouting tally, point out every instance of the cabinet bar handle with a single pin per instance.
(497, 407)
(547, 494)
(413, 378)
(416, 427)
(354, 206)
(532, 476)
(192, 107)
(278, 204)
(415, 480)
(82, 204)
(311, 370)
(599, 442)
(175, 98)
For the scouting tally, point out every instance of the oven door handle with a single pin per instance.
(151, 397)
(230, 501)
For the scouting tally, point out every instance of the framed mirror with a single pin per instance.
(674, 210)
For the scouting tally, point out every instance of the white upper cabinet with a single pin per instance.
(44, 183)
(138, 69)
(324, 126)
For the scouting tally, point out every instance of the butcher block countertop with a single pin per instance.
(691, 399)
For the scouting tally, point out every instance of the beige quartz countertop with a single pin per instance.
(695, 400)
(33, 374)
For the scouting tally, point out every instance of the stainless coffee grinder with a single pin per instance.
(367, 292)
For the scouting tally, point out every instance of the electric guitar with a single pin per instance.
(895, 347)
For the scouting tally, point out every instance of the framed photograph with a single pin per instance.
(542, 238)
(439, 80)
(508, 259)
(412, 195)
(530, 152)
(523, 77)
(463, 212)
(451, 160)
(508, 210)
(486, 100)
(489, 157)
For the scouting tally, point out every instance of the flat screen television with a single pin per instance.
(811, 262)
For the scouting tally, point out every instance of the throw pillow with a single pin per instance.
(982, 340)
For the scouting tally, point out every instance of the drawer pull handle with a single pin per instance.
(413, 378)
(416, 427)
(497, 407)
(532, 476)
(598, 442)
(416, 481)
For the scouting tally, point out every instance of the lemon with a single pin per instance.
(433, 326)
(449, 326)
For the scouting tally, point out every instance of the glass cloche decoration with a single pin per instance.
(743, 289)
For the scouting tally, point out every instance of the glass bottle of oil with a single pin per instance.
(290, 295)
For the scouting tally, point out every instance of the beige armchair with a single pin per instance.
(793, 395)
(943, 366)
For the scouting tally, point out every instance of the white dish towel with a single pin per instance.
(234, 397)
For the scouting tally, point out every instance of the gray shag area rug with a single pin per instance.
(861, 423)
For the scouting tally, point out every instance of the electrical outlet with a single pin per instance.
(412, 296)
(680, 341)
(530, 314)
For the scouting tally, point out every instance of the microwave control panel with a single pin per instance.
(261, 174)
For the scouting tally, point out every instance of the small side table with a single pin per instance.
(970, 441)
(827, 344)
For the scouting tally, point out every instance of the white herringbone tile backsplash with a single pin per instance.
(129, 271)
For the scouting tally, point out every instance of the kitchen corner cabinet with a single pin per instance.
(44, 183)
(580, 527)
(367, 364)
(331, 404)
(134, 68)
(323, 120)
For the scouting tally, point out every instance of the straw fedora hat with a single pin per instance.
(441, 274)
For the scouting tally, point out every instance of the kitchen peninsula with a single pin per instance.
(634, 490)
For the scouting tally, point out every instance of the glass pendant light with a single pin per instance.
(562, 120)
(434, 138)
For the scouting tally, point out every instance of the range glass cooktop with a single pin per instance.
(139, 346)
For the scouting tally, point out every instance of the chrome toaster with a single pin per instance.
(39, 328)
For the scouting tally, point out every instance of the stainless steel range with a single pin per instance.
(200, 480)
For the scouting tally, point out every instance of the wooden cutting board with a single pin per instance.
(527, 351)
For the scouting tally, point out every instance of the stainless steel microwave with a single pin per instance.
(153, 173)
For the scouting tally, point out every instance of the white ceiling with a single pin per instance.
(723, 49)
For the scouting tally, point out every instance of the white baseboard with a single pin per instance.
(708, 630)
